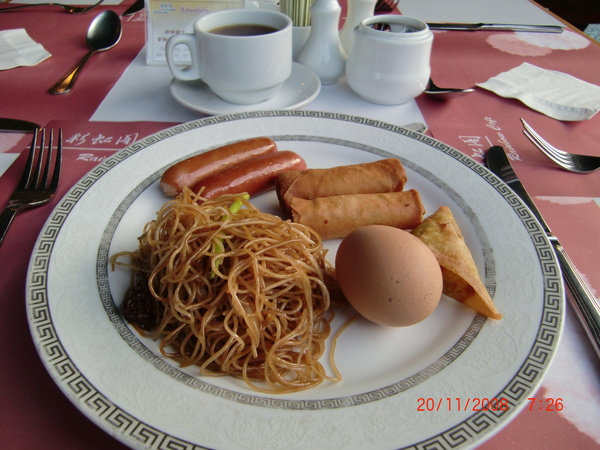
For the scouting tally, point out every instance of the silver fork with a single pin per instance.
(37, 184)
(568, 161)
(68, 8)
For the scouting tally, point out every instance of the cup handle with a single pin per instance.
(190, 73)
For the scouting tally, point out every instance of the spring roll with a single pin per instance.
(338, 215)
(386, 175)
(462, 282)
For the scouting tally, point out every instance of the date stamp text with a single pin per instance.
(449, 404)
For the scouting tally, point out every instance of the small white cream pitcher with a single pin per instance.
(389, 63)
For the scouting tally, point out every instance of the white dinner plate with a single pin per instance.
(450, 381)
(301, 88)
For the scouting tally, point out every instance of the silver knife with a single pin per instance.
(496, 27)
(21, 126)
(583, 301)
(138, 5)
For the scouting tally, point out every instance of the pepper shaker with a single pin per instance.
(323, 51)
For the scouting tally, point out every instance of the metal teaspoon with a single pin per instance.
(104, 33)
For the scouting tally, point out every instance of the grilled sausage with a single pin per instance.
(190, 171)
(253, 176)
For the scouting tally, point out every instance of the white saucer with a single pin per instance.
(300, 88)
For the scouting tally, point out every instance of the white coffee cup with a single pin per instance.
(243, 55)
(389, 63)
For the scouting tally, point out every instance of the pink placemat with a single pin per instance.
(479, 120)
(24, 89)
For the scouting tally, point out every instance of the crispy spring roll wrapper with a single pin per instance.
(459, 273)
(338, 215)
(386, 175)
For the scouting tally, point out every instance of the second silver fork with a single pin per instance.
(39, 180)
(568, 161)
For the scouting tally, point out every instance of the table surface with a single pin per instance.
(110, 108)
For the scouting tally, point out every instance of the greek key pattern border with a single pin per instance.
(82, 393)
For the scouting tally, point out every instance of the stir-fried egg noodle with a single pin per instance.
(239, 292)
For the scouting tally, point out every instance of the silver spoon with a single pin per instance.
(104, 33)
(445, 93)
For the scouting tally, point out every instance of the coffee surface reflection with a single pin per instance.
(243, 30)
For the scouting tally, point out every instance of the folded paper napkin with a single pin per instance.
(555, 94)
(18, 49)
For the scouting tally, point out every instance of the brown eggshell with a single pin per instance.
(388, 275)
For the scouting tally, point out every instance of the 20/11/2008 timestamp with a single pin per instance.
(485, 404)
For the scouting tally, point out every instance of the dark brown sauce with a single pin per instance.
(243, 30)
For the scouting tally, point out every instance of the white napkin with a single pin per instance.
(18, 49)
(555, 94)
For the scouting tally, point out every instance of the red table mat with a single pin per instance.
(470, 124)
(67, 48)
(476, 121)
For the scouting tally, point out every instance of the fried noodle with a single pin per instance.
(240, 293)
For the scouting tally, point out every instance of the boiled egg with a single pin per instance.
(388, 275)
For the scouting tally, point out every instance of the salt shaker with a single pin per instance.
(357, 11)
(323, 51)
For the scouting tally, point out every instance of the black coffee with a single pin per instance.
(243, 30)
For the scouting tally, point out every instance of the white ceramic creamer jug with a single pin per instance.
(389, 62)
